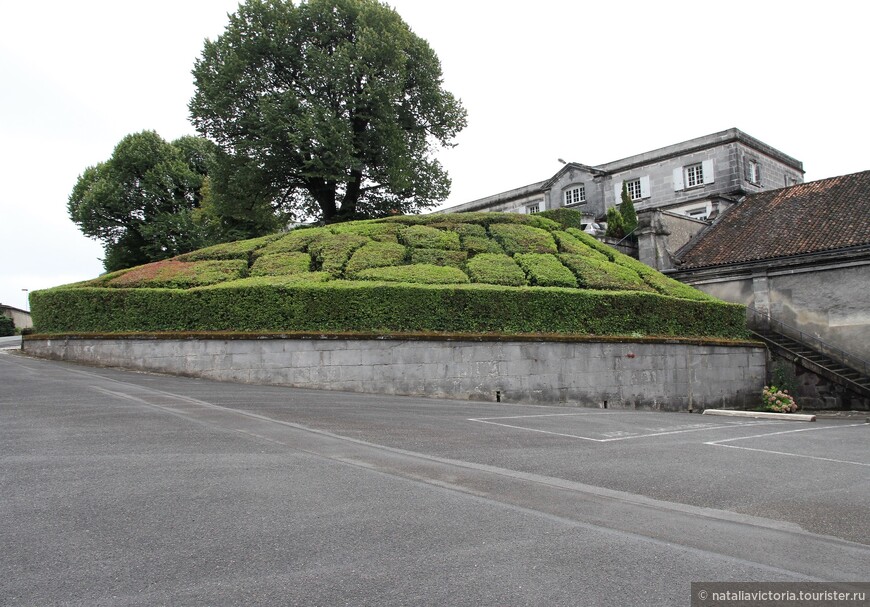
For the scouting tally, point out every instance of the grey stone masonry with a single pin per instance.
(686, 178)
(660, 376)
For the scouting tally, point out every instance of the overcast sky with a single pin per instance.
(589, 82)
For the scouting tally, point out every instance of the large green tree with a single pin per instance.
(330, 109)
(145, 202)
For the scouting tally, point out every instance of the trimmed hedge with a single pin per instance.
(545, 270)
(661, 283)
(495, 269)
(575, 246)
(331, 252)
(480, 244)
(517, 238)
(608, 252)
(434, 256)
(594, 273)
(241, 249)
(418, 273)
(359, 306)
(279, 264)
(438, 257)
(424, 237)
(175, 274)
(296, 241)
(567, 218)
(482, 218)
(375, 255)
(379, 231)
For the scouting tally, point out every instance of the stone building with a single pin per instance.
(799, 258)
(694, 178)
(20, 317)
(799, 254)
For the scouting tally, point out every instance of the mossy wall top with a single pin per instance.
(367, 272)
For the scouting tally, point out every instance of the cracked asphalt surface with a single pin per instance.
(122, 488)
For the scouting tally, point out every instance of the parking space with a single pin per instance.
(611, 426)
(833, 441)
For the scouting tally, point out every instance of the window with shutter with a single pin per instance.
(634, 189)
(753, 171)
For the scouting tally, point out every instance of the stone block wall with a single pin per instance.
(660, 376)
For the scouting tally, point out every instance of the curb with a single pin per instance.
(792, 417)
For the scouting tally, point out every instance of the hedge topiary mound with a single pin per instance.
(471, 272)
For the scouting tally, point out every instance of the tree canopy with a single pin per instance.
(329, 109)
(145, 202)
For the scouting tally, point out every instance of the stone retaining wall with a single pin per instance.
(666, 376)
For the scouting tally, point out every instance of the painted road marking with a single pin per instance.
(616, 435)
(719, 443)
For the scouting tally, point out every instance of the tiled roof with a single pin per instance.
(811, 217)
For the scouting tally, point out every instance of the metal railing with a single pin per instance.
(765, 321)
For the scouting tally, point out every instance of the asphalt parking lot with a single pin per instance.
(134, 489)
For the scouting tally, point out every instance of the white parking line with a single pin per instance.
(718, 443)
(624, 435)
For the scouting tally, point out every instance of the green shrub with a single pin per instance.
(175, 274)
(627, 211)
(615, 223)
(482, 218)
(375, 255)
(241, 249)
(545, 270)
(469, 229)
(594, 273)
(7, 326)
(296, 240)
(574, 246)
(331, 252)
(590, 241)
(566, 218)
(360, 306)
(357, 286)
(418, 273)
(495, 269)
(438, 257)
(479, 244)
(424, 237)
(516, 238)
(282, 280)
(372, 228)
(661, 283)
(281, 263)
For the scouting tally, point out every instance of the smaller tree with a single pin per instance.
(626, 209)
(615, 223)
(143, 202)
(7, 326)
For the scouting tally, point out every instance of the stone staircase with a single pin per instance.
(815, 361)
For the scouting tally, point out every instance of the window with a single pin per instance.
(694, 175)
(533, 208)
(634, 189)
(699, 213)
(753, 171)
(575, 194)
(638, 188)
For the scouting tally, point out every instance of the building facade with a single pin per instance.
(800, 255)
(692, 178)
